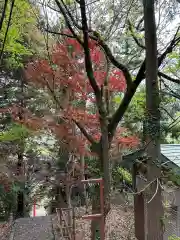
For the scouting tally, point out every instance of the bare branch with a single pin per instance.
(58, 33)
(78, 124)
(163, 75)
(113, 60)
(7, 29)
(170, 47)
(166, 111)
(118, 115)
(3, 14)
(71, 16)
(134, 37)
(67, 21)
(84, 132)
(88, 62)
(107, 51)
(171, 92)
(139, 23)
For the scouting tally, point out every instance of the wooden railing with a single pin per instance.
(66, 222)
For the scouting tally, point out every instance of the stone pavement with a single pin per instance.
(34, 228)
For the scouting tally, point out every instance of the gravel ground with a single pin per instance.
(4, 231)
(119, 225)
(36, 228)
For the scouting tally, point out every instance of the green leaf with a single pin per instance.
(16, 132)
(117, 99)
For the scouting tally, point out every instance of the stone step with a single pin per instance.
(34, 228)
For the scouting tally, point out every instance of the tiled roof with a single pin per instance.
(172, 152)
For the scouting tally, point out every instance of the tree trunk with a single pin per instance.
(105, 170)
(154, 208)
(105, 165)
(95, 224)
(139, 216)
(20, 195)
(139, 209)
(20, 164)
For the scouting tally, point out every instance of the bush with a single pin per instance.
(173, 237)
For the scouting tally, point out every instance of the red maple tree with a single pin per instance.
(64, 72)
(82, 83)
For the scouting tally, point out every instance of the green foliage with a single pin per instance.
(15, 46)
(7, 202)
(134, 117)
(16, 132)
(117, 99)
(119, 174)
(69, 2)
(173, 237)
(174, 176)
(125, 174)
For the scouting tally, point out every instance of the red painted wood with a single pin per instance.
(34, 209)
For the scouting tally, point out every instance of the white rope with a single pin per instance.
(157, 187)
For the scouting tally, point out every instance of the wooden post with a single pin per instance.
(98, 216)
(139, 216)
(34, 209)
(139, 208)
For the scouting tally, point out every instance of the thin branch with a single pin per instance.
(118, 115)
(139, 23)
(141, 74)
(170, 47)
(53, 9)
(107, 51)
(3, 14)
(71, 16)
(175, 80)
(101, 43)
(67, 21)
(7, 29)
(58, 33)
(171, 93)
(131, 86)
(81, 128)
(113, 60)
(166, 111)
(134, 37)
(72, 10)
(88, 62)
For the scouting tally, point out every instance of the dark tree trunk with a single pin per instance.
(154, 208)
(20, 164)
(104, 165)
(95, 224)
(139, 215)
(20, 194)
(139, 209)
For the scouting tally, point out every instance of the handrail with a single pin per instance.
(62, 217)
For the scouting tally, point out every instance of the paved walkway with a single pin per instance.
(34, 228)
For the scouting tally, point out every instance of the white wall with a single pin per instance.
(40, 210)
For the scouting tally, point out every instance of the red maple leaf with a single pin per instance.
(67, 73)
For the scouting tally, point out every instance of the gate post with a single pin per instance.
(99, 216)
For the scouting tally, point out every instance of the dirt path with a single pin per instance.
(35, 228)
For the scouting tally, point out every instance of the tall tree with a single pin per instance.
(154, 206)
(18, 45)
